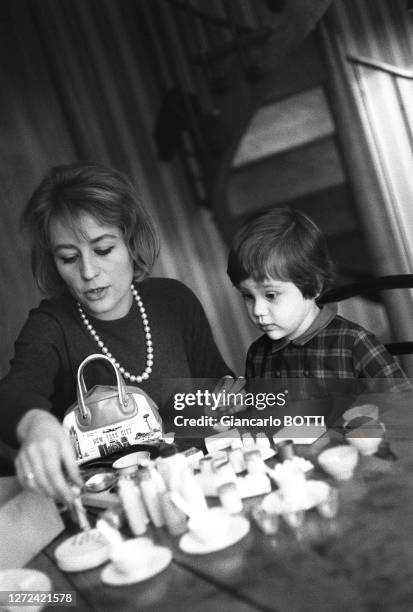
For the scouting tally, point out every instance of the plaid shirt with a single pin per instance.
(332, 348)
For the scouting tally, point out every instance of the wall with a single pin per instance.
(34, 136)
(370, 46)
(290, 154)
(75, 84)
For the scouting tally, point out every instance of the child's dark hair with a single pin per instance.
(284, 244)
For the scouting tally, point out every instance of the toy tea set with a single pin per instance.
(170, 492)
(139, 494)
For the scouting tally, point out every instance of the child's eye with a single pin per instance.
(104, 251)
(271, 296)
(246, 297)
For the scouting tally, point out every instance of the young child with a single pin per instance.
(280, 264)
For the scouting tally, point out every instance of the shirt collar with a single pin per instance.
(325, 315)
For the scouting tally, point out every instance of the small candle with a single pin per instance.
(80, 512)
(223, 472)
(110, 534)
(247, 439)
(236, 457)
(254, 462)
(205, 465)
(262, 441)
(229, 497)
(286, 449)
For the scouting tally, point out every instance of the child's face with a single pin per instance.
(278, 308)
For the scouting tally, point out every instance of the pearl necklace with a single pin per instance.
(149, 349)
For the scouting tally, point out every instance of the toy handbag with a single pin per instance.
(108, 419)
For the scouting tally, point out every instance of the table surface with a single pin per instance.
(260, 572)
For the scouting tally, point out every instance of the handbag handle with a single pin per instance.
(81, 387)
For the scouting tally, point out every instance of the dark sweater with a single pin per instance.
(54, 341)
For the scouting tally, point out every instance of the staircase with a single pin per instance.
(290, 155)
(245, 105)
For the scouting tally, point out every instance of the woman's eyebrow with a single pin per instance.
(59, 247)
(102, 237)
(69, 245)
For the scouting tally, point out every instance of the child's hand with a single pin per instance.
(232, 395)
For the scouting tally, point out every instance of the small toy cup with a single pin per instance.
(365, 410)
(209, 526)
(131, 554)
(339, 461)
(128, 464)
(366, 437)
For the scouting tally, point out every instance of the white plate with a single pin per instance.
(239, 527)
(24, 580)
(316, 493)
(159, 559)
(302, 464)
(266, 453)
(305, 434)
(82, 551)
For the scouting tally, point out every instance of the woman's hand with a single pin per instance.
(46, 461)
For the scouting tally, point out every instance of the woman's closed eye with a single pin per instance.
(100, 252)
(104, 252)
(68, 260)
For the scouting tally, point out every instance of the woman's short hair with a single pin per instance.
(68, 192)
(283, 244)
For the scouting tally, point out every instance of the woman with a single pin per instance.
(93, 246)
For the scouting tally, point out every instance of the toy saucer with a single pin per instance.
(23, 579)
(316, 492)
(238, 528)
(158, 560)
(82, 551)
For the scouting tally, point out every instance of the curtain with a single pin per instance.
(370, 45)
(77, 85)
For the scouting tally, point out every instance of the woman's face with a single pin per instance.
(94, 262)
